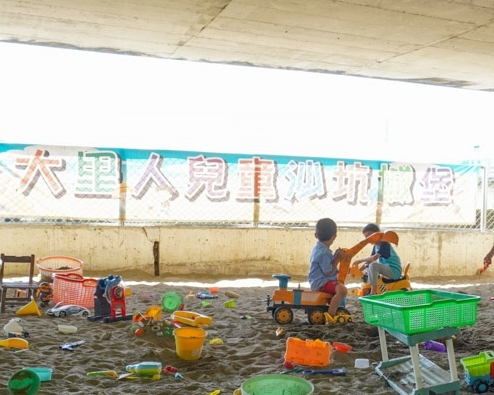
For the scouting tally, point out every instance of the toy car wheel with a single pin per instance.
(341, 319)
(316, 317)
(62, 314)
(283, 315)
(156, 328)
(85, 313)
(480, 386)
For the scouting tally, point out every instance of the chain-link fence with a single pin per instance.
(88, 186)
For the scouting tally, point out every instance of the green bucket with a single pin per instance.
(24, 382)
(276, 384)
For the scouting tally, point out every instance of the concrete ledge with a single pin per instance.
(234, 252)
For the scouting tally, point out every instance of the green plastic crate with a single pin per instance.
(478, 365)
(416, 311)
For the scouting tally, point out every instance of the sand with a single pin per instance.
(251, 346)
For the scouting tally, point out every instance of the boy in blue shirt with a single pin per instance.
(323, 270)
(383, 260)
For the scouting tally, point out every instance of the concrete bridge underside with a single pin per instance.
(441, 42)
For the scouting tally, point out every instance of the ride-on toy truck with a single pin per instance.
(283, 301)
(315, 304)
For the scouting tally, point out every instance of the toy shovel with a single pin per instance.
(345, 255)
(336, 372)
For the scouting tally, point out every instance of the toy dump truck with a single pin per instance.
(283, 301)
(479, 371)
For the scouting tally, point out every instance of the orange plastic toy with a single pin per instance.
(283, 301)
(348, 254)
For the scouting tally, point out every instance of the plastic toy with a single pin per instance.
(479, 371)
(71, 346)
(13, 326)
(345, 255)
(191, 318)
(43, 373)
(171, 301)
(308, 352)
(384, 284)
(362, 363)
(335, 372)
(230, 304)
(29, 309)
(103, 373)
(280, 332)
(67, 329)
(69, 309)
(153, 313)
(434, 346)
(109, 301)
(289, 365)
(340, 318)
(292, 370)
(145, 369)
(23, 334)
(342, 347)
(170, 369)
(117, 301)
(139, 332)
(206, 295)
(24, 382)
(14, 342)
(151, 319)
(44, 293)
(283, 301)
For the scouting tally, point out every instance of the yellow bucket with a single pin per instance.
(189, 342)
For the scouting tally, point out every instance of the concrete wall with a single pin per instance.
(233, 252)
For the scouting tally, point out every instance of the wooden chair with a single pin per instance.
(17, 292)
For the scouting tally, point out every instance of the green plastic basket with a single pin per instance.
(416, 311)
(478, 365)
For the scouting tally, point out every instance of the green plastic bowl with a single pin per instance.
(277, 384)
